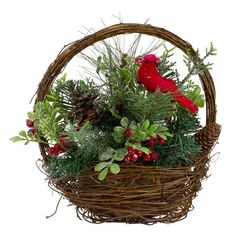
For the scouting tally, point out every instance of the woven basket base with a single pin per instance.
(139, 194)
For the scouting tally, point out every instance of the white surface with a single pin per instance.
(32, 33)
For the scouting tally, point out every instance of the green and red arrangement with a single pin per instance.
(125, 143)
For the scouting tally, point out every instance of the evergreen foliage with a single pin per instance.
(181, 148)
(130, 118)
(84, 147)
(153, 106)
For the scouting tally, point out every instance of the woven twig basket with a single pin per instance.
(139, 193)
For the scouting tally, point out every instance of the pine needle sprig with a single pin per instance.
(199, 65)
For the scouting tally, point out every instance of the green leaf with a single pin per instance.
(141, 134)
(31, 115)
(16, 139)
(50, 98)
(120, 153)
(152, 134)
(169, 134)
(103, 174)
(105, 156)
(101, 166)
(110, 150)
(119, 129)
(133, 125)
(31, 136)
(23, 134)
(146, 124)
(135, 145)
(153, 127)
(162, 135)
(27, 142)
(162, 128)
(197, 91)
(124, 122)
(190, 95)
(199, 101)
(114, 168)
(83, 86)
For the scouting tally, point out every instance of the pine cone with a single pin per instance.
(83, 109)
(207, 136)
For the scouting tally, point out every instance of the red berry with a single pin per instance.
(151, 142)
(51, 150)
(146, 157)
(139, 153)
(154, 155)
(32, 131)
(127, 158)
(127, 132)
(55, 153)
(161, 141)
(134, 158)
(59, 148)
(29, 123)
(62, 142)
(131, 151)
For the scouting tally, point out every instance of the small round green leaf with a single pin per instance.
(23, 134)
(197, 91)
(105, 156)
(141, 134)
(119, 129)
(16, 139)
(101, 166)
(124, 122)
(146, 124)
(133, 125)
(103, 174)
(153, 127)
(31, 115)
(163, 136)
(120, 153)
(199, 101)
(114, 168)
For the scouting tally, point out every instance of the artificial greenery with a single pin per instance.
(84, 146)
(27, 137)
(199, 65)
(153, 106)
(123, 118)
(182, 147)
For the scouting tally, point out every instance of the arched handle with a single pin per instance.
(69, 51)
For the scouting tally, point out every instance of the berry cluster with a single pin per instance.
(57, 148)
(30, 124)
(152, 141)
(133, 155)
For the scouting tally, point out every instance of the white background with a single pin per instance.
(32, 33)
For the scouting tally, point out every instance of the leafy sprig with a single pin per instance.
(199, 65)
(48, 120)
(108, 158)
(27, 137)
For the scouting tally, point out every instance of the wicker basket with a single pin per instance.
(140, 193)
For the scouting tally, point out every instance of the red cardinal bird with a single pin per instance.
(152, 80)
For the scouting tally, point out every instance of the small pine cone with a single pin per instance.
(207, 136)
(83, 109)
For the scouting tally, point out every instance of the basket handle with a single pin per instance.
(70, 50)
